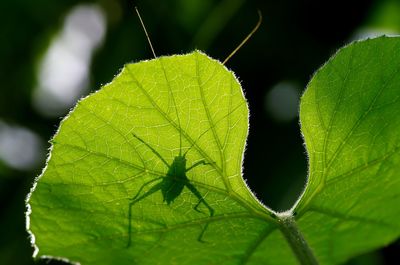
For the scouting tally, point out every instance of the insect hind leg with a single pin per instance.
(143, 186)
(201, 200)
(200, 237)
(138, 198)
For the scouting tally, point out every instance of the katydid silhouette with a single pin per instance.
(171, 185)
(175, 180)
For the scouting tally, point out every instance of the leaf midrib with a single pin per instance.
(167, 228)
(256, 211)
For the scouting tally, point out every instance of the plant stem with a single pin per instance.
(296, 240)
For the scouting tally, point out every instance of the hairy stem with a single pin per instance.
(296, 240)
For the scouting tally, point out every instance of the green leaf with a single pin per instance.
(112, 148)
(350, 119)
(80, 207)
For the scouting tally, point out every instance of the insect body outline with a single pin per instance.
(171, 185)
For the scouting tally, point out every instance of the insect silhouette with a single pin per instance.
(171, 185)
(175, 180)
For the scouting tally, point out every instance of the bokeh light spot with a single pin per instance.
(63, 76)
(282, 101)
(20, 148)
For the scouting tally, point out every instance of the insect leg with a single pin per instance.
(136, 199)
(202, 162)
(201, 200)
(200, 197)
(144, 185)
(152, 149)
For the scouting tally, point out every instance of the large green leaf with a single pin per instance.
(102, 157)
(81, 203)
(350, 119)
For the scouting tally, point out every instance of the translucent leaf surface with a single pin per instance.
(350, 117)
(81, 203)
(120, 143)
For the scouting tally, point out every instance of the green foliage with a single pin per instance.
(349, 117)
(350, 120)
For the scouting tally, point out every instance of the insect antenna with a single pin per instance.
(145, 31)
(155, 56)
(180, 128)
(184, 154)
(179, 124)
(247, 37)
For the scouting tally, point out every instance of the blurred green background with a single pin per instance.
(54, 52)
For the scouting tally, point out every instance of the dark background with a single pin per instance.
(294, 40)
